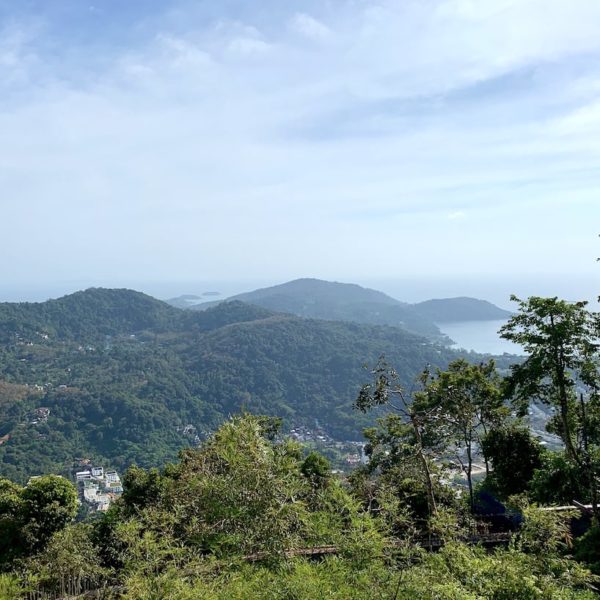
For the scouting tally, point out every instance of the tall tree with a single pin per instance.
(31, 515)
(467, 402)
(561, 340)
(49, 504)
(412, 429)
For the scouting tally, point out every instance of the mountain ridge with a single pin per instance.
(332, 300)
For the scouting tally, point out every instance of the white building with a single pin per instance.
(98, 472)
(82, 475)
(112, 477)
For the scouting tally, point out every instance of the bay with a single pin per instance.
(479, 336)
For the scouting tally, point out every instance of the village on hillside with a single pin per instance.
(98, 488)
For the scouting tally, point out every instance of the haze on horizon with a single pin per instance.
(354, 141)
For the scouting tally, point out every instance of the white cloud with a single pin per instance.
(225, 147)
(245, 46)
(183, 53)
(584, 120)
(310, 27)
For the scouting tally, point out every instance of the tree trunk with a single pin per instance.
(469, 476)
(559, 370)
(426, 472)
(589, 466)
(485, 458)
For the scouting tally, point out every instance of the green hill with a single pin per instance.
(460, 309)
(335, 301)
(126, 398)
(92, 313)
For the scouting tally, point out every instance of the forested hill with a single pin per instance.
(92, 313)
(448, 310)
(338, 302)
(126, 398)
(323, 291)
(96, 313)
(350, 302)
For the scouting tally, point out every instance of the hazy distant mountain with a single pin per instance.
(448, 310)
(121, 374)
(350, 302)
(318, 290)
(335, 301)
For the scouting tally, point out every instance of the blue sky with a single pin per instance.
(350, 140)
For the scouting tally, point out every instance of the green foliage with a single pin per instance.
(240, 493)
(457, 572)
(31, 515)
(10, 587)
(587, 549)
(316, 468)
(545, 533)
(465, 402)
(562, 369)
(557, 481)
(561, 341)
(141, 488)
(11, 510)
(514, 455)
(70, 555)
(221, 522)
(49, 503)
(393, 482)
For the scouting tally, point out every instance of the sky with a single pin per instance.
(354, 140)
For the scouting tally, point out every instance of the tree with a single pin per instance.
(49, 504)
(467, 403)
(11, 506)
(393, 483)
(561, 339)
(557, 481)
(237, 493)
(316, 468)
(69, 563)
(141, 488)
(31, 515)
(514, 455)
(410, 430)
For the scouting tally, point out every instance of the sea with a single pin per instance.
(479, 336)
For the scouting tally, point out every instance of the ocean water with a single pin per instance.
(479, 336)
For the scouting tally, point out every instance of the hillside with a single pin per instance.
(126, 399)
(335, 301)
(85, 315)
(448, 310)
